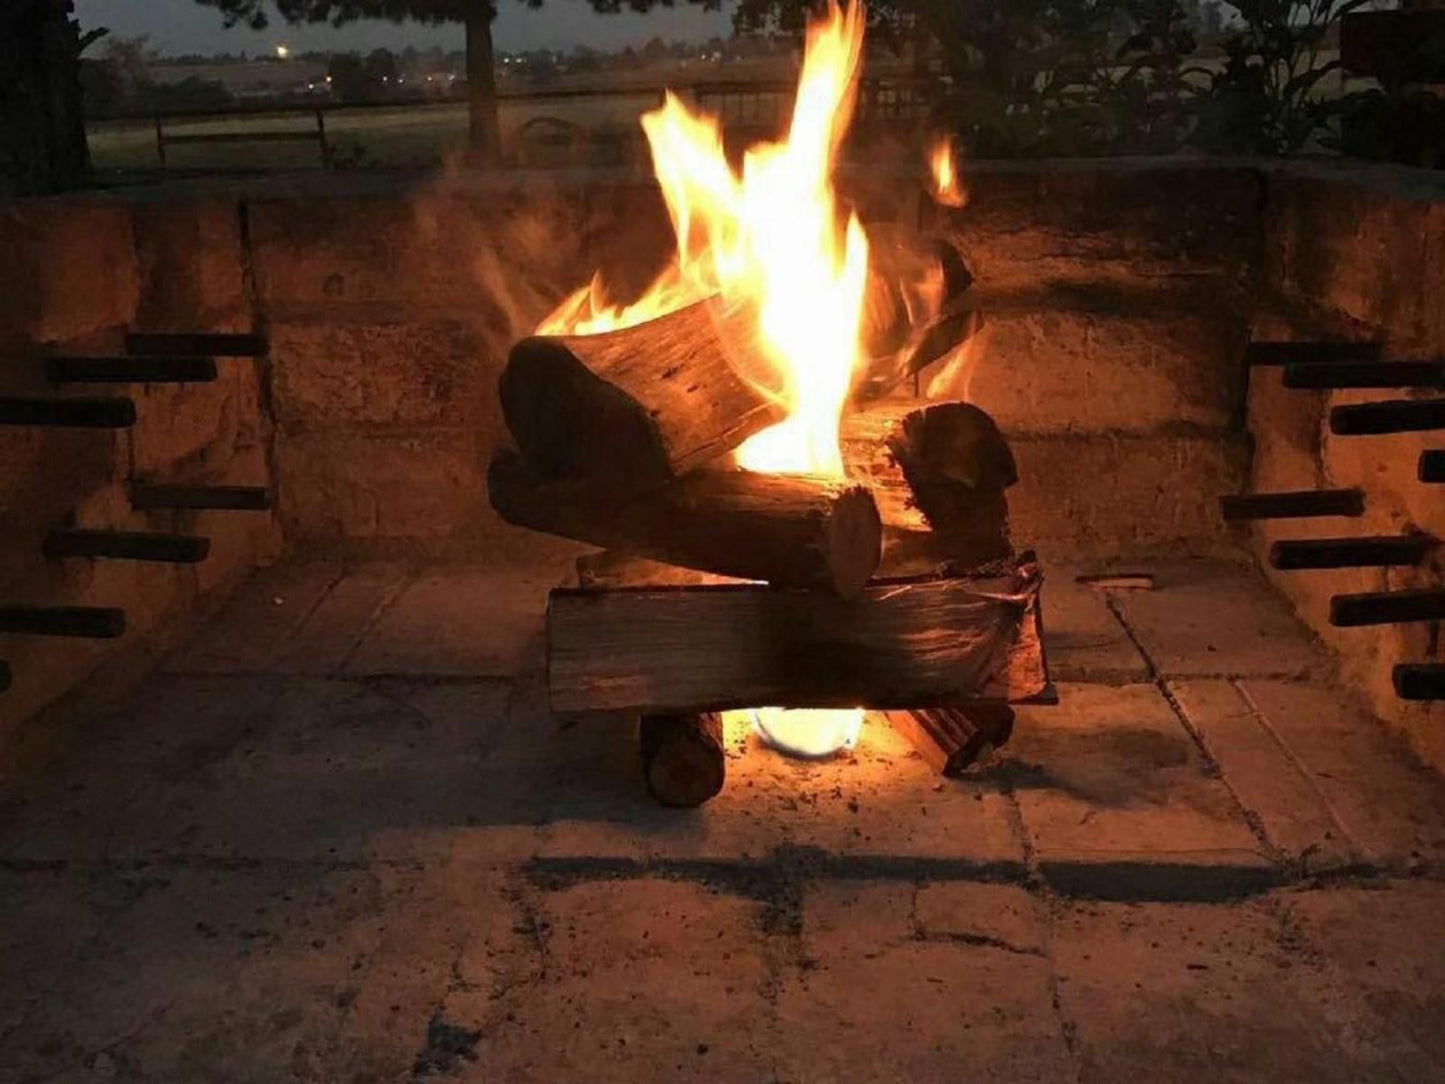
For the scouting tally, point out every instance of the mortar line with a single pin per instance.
(1251, 818)
(389, 599)
(1294, 761)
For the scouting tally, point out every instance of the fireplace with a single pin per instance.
(355, 599)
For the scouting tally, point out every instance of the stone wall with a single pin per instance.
(1119, 298)
(76, 274)
(1357, 254)
(1112, 356)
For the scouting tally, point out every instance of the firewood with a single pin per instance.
(938, 473)
(952, 739)
(683, 758)
(787, 530)
(899, 644)
(640, 405)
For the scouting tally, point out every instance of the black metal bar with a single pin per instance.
(1298, 353)
(128, 370)
(1387, 607)
(4, 676)
(1379, 552)
(86, 622)
(1391, 416)
(127, 546)
(147, 498)
(68, 413)
(1432, 466)
(1420, 680)
(184, 344)
(1365, 374)
(1301, 504)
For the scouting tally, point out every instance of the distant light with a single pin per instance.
(328, 78)
(283, 51)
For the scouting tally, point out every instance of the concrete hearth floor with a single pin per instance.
(337, 837)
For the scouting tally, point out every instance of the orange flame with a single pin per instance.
(773, 236)
(947, 189)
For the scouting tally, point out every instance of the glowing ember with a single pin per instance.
(812, 733)
(772, 236)
(947, 188)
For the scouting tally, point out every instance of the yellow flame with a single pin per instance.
(947, 188)
(773, 236)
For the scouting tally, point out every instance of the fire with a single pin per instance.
(947, 189)
(773, 236)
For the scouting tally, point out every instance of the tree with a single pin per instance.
(42, 125)
(477, 15)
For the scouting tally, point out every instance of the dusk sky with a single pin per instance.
(183, 26)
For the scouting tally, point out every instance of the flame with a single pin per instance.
(947, 189)
(773, 236)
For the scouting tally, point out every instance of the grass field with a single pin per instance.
(400, 136)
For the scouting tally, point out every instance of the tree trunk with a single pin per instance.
(42, 126)
(485, 128)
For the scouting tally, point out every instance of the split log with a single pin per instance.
(899, 644)
(683, 758)
(787, 530)
(938, 473)
(641, 405)
(952, 739)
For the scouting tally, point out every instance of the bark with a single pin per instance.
(636, 407)
(787, 530)
(952, 739)
(897, 645)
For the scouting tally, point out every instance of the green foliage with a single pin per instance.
(1268, 98)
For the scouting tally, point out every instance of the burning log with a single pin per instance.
(640, 405)
(898, 644)
(787, 530)
(938, 473)
(951, 739)
(683, 758)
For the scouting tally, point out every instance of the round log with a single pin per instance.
(787, 530)
(683, 758)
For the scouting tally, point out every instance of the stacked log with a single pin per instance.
(721, 588)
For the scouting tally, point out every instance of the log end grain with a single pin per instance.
(684, 760)
(855, 541)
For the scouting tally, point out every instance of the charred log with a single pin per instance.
(787, 530)
(642, 405)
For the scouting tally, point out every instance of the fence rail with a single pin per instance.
(743, 105)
